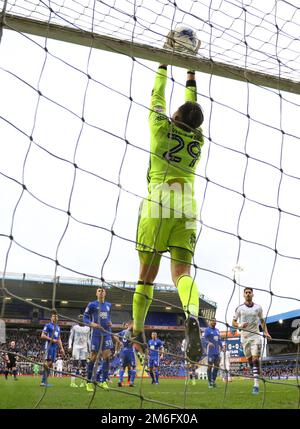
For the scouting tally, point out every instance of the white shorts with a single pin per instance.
(79, 353)
(252, 346)
(226, 366)
(59, 368)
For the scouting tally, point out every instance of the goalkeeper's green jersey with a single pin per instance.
(175, 153)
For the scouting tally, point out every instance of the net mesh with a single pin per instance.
(65, 150)
(230, 30)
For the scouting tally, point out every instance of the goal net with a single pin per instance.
(76, 82)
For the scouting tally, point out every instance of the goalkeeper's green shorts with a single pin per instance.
(159, 234)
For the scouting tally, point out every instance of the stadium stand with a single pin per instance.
(24, 321)
(73, 294)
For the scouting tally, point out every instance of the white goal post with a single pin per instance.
(133, 49)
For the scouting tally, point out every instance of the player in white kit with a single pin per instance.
(59, 366)
(250, 317)
(225, 364)
(79, 342)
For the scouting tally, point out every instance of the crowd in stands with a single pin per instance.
(270, 370)
(277, 373)
(173, 362)
(29, 345)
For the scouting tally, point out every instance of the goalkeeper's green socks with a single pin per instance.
(142, 299)
(188, 294)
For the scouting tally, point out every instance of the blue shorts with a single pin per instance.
(127, 357)
(153, 362)
(213, 359)
(101, 343)
(50, 353)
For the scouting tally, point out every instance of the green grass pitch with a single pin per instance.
(26, 393)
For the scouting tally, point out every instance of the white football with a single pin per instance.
(185, 40)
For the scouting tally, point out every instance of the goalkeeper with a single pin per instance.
(167, 218)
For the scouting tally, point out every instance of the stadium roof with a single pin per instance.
(283, 316)
(79, 291)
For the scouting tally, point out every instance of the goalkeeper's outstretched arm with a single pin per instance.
(158, 102)
(191, 87)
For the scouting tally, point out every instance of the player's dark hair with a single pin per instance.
(53, 313)
(190, 116)
(248, 288)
